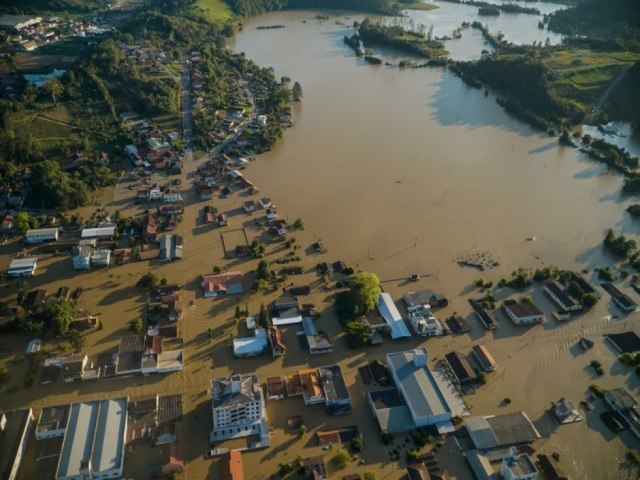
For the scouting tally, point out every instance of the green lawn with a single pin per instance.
(214, 10)
(593, 77)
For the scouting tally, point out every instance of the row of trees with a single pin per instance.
(250, 8)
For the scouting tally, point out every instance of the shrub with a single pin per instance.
(413, 456)
(357, 442)
(135, 325)
(299, 224)
(597, 366)
(148, 280)
(597, 390)
(342, 458)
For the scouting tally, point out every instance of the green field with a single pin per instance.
(168, 123)
(575, 59)
(214, 10)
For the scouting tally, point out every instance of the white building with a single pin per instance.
(518, 467)
(41, 235)
(85, 256)
(101, 257)
(106, 233)
(172, 198)
(523, 313)
(15, 427)
(391, 315)
(420, 398)
(93, 446)
(251, 346)
(81, 256)
(424, 323)
(23, 267)
(155, 194)
(238, 408)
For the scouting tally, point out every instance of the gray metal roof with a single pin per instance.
(480, 432)
(95, 432)
(247, 390)
(513, 429)
(333, 383)
(11, 437)
(522, 309)
(417, 385)
(395, 419)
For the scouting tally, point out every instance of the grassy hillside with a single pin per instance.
(214, 10)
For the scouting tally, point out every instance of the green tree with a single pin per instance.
(576, 291)
(296, 92)
(366, 289)
(262, 286)
(76, 339)
(148, 280)
(263, 317)
(357, 442)
(51, 187)
(59, 316)
(413, 456)
(357, 333)
(589, 300)
(299, 224)
(264, 270)
(342, 458)
(23, 222)
(54, 89)
(135, 325)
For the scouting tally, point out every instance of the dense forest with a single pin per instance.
(248, 8)
(610, 23)
(527, 86)
(33, 6)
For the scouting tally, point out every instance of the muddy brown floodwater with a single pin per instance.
(398, 172)
(402, 171)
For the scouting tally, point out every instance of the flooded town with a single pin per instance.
(259, 255)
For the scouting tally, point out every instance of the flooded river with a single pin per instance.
(406, 171)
